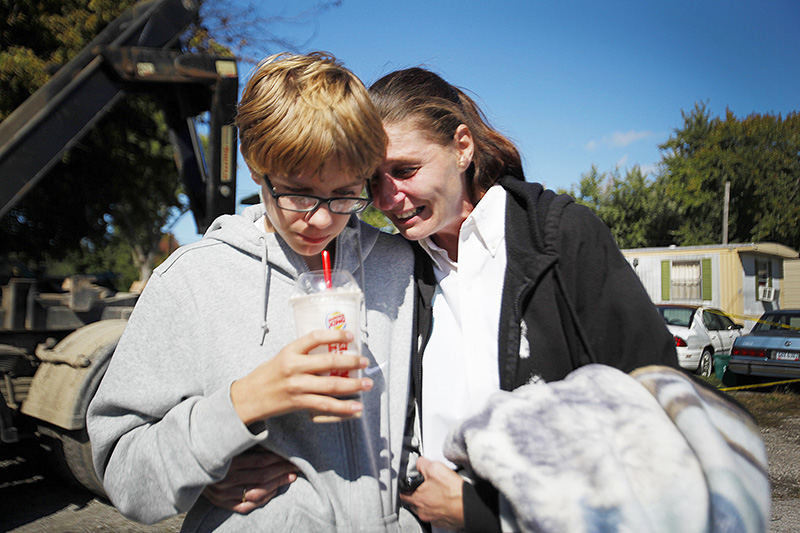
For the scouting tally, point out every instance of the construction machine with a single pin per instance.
(56, 341)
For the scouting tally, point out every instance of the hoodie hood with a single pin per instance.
(240, 231)
(353, 244)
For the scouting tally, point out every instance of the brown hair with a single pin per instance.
(439, 108)
(299, 111)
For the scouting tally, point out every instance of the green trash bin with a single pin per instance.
(721, 361)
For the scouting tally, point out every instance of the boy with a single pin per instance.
(209, 365)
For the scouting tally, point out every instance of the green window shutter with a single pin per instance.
(665, 280)
(705, 272)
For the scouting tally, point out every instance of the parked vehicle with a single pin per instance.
(57, 336)
(699, 333)
(771, 349)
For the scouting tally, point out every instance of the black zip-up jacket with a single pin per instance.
(569, 299)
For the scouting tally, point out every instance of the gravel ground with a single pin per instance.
(33, 500)
(777, 410)
(783, 450)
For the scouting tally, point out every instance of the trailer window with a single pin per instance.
(686, 280)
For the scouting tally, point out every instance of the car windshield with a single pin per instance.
(677, 316)
(785, 322)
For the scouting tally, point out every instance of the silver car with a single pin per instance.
(699, 332)
(771, 349)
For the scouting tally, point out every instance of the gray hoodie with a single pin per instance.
(162, 424)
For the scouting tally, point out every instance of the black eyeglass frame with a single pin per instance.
(319, 200)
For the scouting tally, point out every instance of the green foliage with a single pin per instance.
(632, 206)
(114, 259)
(683, 203)
(375, 218)
(38, 37)
(758, 155)
(118, 184)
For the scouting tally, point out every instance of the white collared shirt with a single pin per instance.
(460, 369)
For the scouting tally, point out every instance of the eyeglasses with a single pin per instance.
(306, 203)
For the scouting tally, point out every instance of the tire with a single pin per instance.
(70, 450)
(78, 456)
(705, 367)
(71, 455)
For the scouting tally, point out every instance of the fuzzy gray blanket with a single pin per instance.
(607, 451)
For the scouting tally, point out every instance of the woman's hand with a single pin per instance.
(438, 499)
(253, 479)
(290, 381)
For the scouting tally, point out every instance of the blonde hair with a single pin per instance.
(297, 112)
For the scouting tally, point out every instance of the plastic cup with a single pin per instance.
(315, 306)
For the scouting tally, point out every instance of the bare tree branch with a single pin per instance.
(245, 29)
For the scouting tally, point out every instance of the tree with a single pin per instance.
(758, 155)
(683, 205)
(632, 207)
(374, 217)
(119, 183)
(118, 186)
(243, 28)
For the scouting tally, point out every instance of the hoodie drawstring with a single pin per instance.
(364, 320)
(267, 269)
(265, 296)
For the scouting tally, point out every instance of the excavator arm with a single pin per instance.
(136, 53)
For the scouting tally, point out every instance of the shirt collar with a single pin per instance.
(441, 260)
(488, 221)
(489, 218)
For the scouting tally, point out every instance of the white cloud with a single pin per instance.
(621, 162)
(618, 139)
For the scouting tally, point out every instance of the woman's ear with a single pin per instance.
(465, 145)
(257, 177)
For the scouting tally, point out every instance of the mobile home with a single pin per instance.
(744, 280)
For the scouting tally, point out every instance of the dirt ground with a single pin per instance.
(777, 411)
(34, 500)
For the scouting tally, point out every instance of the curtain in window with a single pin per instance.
(685, 278)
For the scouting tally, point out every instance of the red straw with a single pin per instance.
(326, 269)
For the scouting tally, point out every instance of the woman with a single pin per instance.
(521, 285)
(209, 365)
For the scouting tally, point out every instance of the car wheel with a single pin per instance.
(705, 366)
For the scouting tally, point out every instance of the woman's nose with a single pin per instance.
(385, 193)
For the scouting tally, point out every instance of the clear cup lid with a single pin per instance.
(314, 281)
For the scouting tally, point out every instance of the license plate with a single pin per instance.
(787, 356)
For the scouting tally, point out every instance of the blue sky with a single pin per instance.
(572, 83)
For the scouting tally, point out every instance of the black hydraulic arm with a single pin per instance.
(135, 53)
(187, 85)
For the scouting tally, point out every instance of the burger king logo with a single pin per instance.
(336, 320)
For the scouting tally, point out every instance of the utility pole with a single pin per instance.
(725, 212)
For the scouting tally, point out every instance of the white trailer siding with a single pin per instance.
(722, 276)
(790, 295)
(658, 282)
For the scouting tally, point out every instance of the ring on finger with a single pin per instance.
(244, 494)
